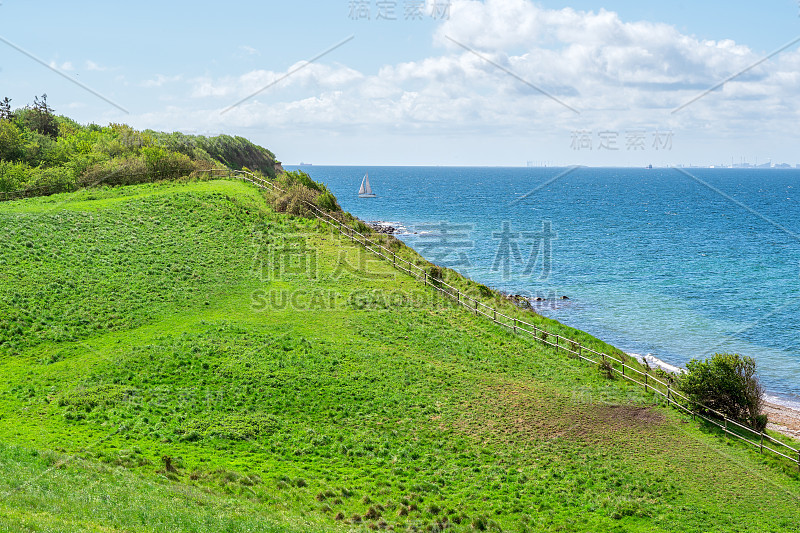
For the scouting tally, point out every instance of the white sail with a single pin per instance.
(365, 191)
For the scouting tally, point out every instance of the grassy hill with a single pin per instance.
(181, 357)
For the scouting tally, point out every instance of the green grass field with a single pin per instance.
(178, 357)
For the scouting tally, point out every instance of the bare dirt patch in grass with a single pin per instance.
(537, 413)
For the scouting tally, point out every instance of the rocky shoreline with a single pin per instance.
(383, 227)
(523, 302)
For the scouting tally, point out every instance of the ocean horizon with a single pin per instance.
(671, 263)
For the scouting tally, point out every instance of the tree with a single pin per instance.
(11, 146)
(727, 383)
(5, 109)
(40, 117)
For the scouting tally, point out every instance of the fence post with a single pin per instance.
(726, 426)
(762, 441)
(645, 379)
(623, 369)
(556, 343)
(515, 325)
(476, 307)
(669, 389)
(495, 314)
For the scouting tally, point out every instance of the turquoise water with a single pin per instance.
(652, 261)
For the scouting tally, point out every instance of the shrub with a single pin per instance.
(294, 201)
(232, 152)
(296, 177)
(13, 176)
(11, 147)
(485, 291)
(727, 383)
(53, 180)
(605, 368)
(40, 118)
(327, 201)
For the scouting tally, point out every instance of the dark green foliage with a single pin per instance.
(11, 147)
(40, 117)
(56, 154)
(13, 175)
(298, 177)
(298, 190)
(727, 383)
(5, 108)
(327, 201)
(234, 152)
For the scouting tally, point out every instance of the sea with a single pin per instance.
(669, 264)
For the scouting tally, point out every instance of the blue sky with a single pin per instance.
(465, 88)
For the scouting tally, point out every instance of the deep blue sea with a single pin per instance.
(654, 261)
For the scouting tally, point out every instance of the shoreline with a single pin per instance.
(782, 418)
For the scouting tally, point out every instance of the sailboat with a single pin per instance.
(365, 191)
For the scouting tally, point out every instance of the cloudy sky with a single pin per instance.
(493, 82)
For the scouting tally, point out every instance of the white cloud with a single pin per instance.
(160, 80)
(66, 66)
(618, 74)
(92, 66)
(249, 50)
(299, 75)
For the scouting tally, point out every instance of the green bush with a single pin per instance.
(119, 171)
(11, 146)
(728, 384)
(327, 201)
(296, 177)
(232, 152)
(53, 180)
(42, 150)
(13, 176)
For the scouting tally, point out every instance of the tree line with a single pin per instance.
(42, 152)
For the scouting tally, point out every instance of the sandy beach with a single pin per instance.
(783, 419)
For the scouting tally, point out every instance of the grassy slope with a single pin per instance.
(178, 320)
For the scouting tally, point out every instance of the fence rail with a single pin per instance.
(651, 383)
